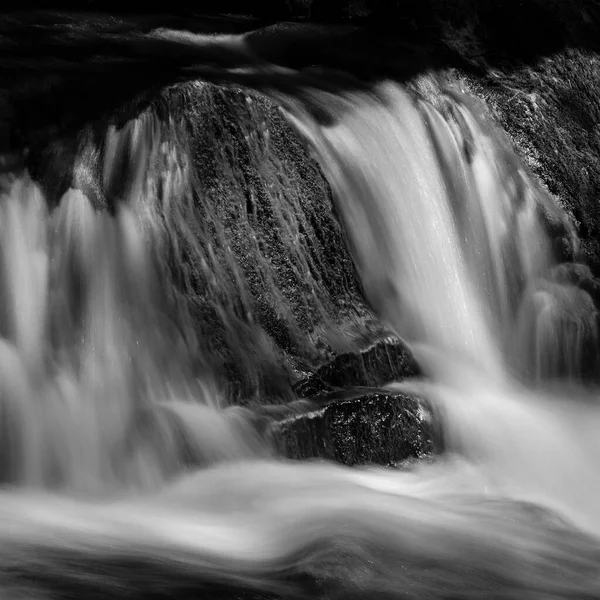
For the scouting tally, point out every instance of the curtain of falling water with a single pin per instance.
(446, 230)
(101, 385)
(400, 224)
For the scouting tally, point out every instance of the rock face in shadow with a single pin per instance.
(263, 262)
(100, 57)
(281, 295)
(384, 362)
(376, 428)
(551, 112)
(500, 28)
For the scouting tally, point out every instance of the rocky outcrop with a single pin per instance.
(265, 268)
(375, 428)
(284, 298)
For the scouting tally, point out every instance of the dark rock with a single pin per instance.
(377, 428)
(266, 273)
(280, 285)
(384, 362)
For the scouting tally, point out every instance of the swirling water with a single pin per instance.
(104, 416)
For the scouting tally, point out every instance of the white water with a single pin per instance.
(97, 390)
(450, 252)
(437, 267)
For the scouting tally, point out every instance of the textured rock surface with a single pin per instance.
(267, 275)
(384, 362)
(552, 113)
(376, 428)
(285, 269)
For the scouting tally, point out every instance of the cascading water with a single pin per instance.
(447, 233)
(98, 385)
(458, 276)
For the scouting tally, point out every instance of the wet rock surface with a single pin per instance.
(348, 417)
(266, 273)
(551, 113)
(370, 429)
(384, 362)
(281, 296)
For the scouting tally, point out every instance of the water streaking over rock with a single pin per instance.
(453, 244)
(99, 386)
(450, 238)
(253, 242)
(456, 216)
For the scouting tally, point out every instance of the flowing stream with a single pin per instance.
(128, 476)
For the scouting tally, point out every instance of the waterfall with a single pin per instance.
(446, 230)
(99, 386)
(449, 235)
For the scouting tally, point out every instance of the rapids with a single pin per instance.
(104, 415)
